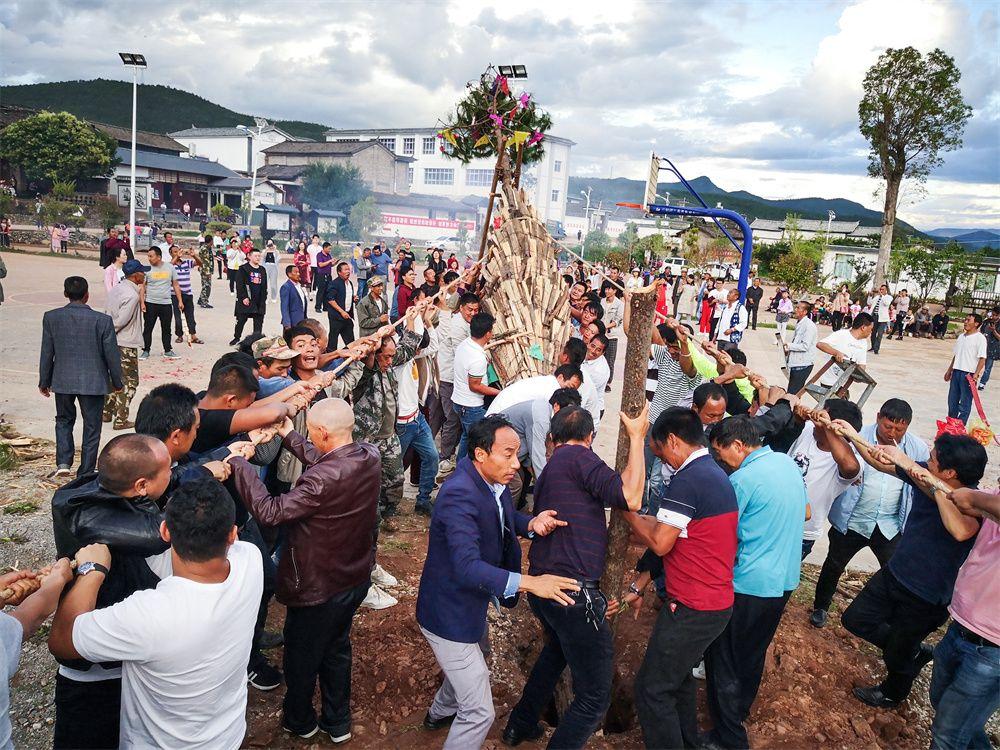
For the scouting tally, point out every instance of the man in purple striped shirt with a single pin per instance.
(184, 259)
(577, 485)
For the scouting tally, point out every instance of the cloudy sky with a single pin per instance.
(760, 96)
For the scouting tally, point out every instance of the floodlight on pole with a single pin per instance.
(261, 124)
(513, 71)
(135, 61)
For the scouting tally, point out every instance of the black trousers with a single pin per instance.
(837, 320)
(798, 377)
(752, 315)
(578, 636)
(91, 409)
(897, 325)
(87, 713)
(842, 549)
(339, 328)
(734, 665)
(321, 282)
(665, 692)
(156, 312)
(241, 321)
(890, 616)
(318, 645)
(188, 314)
(219, 263)
(231, 275)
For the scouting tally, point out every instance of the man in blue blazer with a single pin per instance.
(473, 558)
(294, 299)
(79, 362)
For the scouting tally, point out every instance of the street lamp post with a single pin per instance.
(135, 61)
(261, 124)
(830, 216)
(586, 217)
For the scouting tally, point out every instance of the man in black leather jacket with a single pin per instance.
(117, 507)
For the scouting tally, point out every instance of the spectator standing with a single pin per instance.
(733, 321)
(614, 316)
(301, 261)
(271, 266)
(901, 307)
(373, 310)
(206, 262)
(234, 259)
(991, 330)
(880, 308)
(183, 260)
(112, 245)
(294, 299)
(801, 352)
(785, 309)
(161, 287)
(324, 271)
(968, 360)
(251, 296)
(403, 296)
(339, 300)
(840, 306)
(314, 250)
(79, 359)
(363, 270)
(687, 301)
(380, 263)
(124, 305)
(846, 346)
(754, 295)
(113, 273)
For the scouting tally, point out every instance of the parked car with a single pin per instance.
(675, 265)
(449, 243)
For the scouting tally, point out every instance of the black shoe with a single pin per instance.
(234, 342)
(512, 738)
(435, 724)
(926, 655)
(874, 697)
(423, 510)
(818, 618)
(264, 677)
(205, 305)
(304, 735)
(270, 640)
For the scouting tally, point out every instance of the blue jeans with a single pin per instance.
(362, 288)
(987, 369)
(654, 480)
(959, 395)
(965, 691)
(468, 416)
(418, 434)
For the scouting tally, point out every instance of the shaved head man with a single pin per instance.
(330, 423)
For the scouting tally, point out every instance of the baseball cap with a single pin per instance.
(375, 281)
(273, 348)
(133, 266)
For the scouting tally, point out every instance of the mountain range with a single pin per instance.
(621, 189)
(969, 238)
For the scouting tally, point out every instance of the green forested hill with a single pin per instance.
(162, 109)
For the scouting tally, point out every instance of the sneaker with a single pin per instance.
(423, 510)
(264, 677)
(379, 599)
(380, 577)
(980, 387)
(144, 354)
(304, 735)
(338, 738)
(234, 342)
(61, 472)
(818, 618)
(699, 672)
(171, 355)
(447, 466)
(269, 640)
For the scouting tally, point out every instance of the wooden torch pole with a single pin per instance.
(493, 195)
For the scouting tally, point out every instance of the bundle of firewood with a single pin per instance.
(524, 291)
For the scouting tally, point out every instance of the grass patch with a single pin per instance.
(21, 508)
(13, 539)
(8, 457)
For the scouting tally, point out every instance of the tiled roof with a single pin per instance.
(170, 163)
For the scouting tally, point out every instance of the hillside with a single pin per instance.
(162, 109)
(752, 206)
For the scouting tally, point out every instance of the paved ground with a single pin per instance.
(911, 369)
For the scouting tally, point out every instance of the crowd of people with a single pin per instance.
(277, 477)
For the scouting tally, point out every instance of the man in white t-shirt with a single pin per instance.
(828, 463)
(314, 249)
(596, 372)
(845, 346)
(183, 645)
(880, 308)
(540, 387)
(969, 358)
(470, 382)
(733, 321)
(719, 294)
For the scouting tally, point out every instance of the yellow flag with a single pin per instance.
(483, 140)
(520, 136)
(450, 137)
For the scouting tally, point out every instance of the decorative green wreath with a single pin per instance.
(490, 114)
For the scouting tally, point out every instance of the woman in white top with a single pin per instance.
(687, 301)
(634, 281)
(113, 273)
(784, 314)
(614, 313)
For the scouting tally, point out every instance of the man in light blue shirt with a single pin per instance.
(801, 350)
(870, 514)
(772, 503)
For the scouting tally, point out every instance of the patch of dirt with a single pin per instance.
(804, 699)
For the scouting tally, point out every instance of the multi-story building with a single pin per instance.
(233, 147)
(433, 173)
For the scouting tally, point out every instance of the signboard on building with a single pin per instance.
(392, 222)
(141, 196)
(276, 221)
(326, 225)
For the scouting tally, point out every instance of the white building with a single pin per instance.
(232, 147)
(770, 231)
(433, 173)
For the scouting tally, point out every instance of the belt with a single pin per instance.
(407, 418)
(974, 638)
(592, 585)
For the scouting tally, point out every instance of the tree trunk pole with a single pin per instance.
(888, 224)
(493, 194)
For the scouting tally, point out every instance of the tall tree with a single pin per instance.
(333, 187)
(56, 146)
(911, 112)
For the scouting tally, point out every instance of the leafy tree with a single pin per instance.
(333, 187)
(63, 190)
(653, 244)
(107, 211)
(765, 256)
(222, 212)
(463, 238)
(596, 244)
(629, 238)
(864, 270)
(692, 249)
(57, 147)
(365, 217)
(7, 203)
(912, 111)
(218, 226)
(799, 267)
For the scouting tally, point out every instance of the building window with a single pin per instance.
(346, 140)
(408, 146)
(428, 145)
(555, 196)
(389, 143)
(478, 177)
(439, 176)
(557, 167)
(843, 267)
(409, 175)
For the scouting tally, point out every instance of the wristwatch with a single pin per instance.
(634, 589)
(90, 567)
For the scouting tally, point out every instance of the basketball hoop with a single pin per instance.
(630, 205)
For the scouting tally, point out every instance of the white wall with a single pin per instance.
(231, 151)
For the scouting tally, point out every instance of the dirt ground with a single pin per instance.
(804, 701)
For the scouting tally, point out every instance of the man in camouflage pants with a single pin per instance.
(126, 314)
(205, 269)
(376, 409)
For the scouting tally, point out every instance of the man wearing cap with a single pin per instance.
(125, 309)
(373, 309)
(274, 360)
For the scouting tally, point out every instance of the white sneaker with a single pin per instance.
(379, 599)
(699, 672)
(447, 466)
(380, 577)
